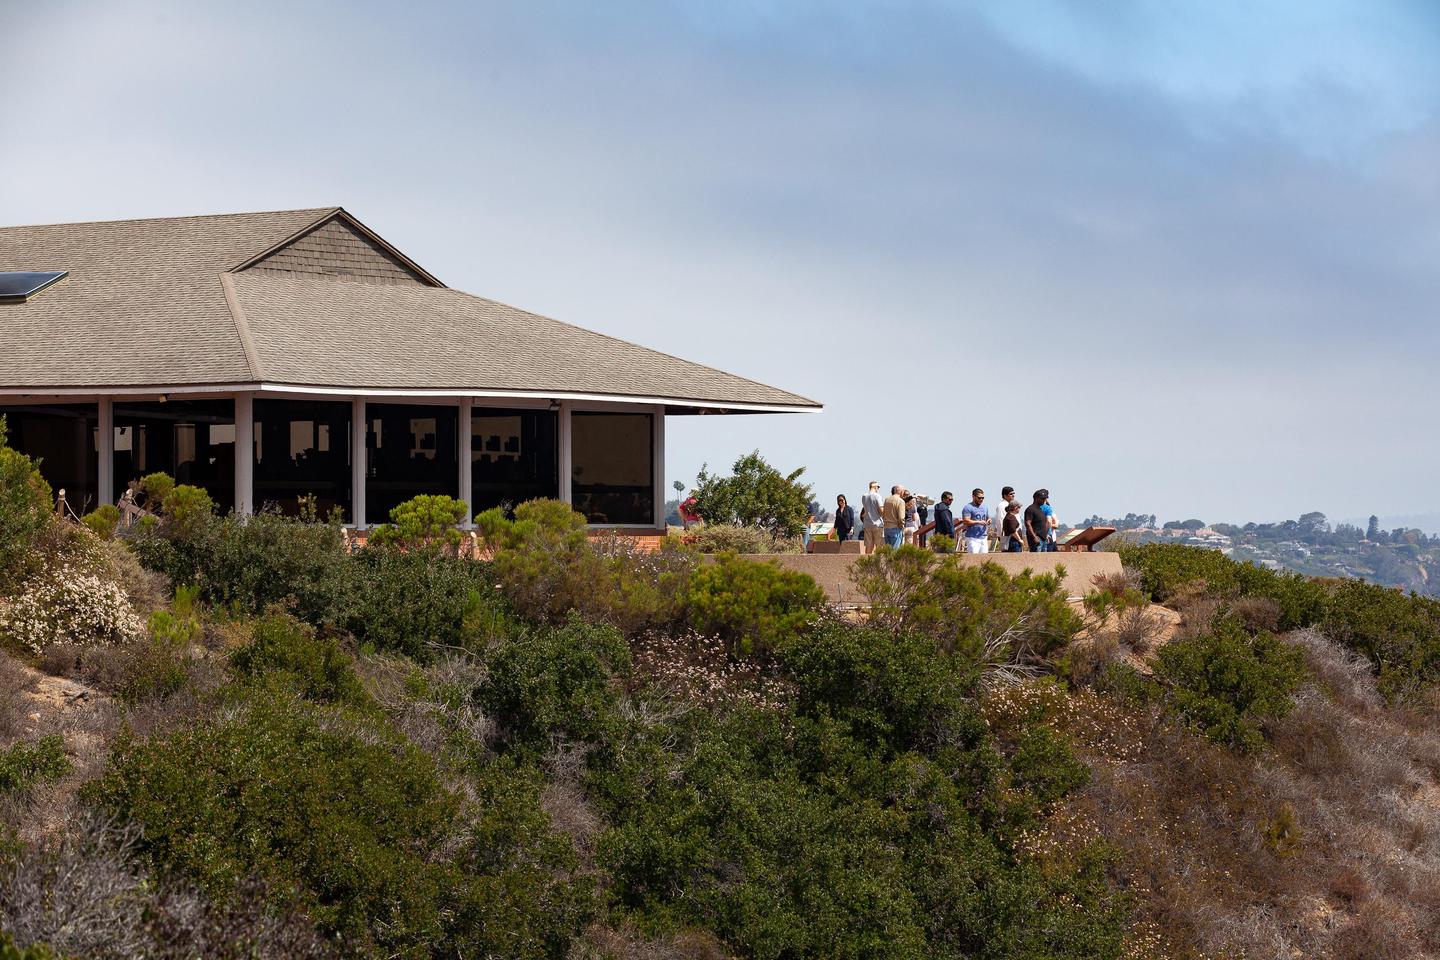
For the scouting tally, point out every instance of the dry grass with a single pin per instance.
(1327, 846)
(85, 893)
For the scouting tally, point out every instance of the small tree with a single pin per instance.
(426, 520)
(756, 495)
(25, 508)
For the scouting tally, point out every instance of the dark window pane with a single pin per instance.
(514, 456)
(62, 438)
(192, 440)
(613, 460)
(302, 449)
(412, 450)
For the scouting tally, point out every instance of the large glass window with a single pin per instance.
(514, 456)
(302, 449)
(62, 437)
(192, 440)
(412, 450)
(613, 460)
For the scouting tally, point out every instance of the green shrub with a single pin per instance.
(755, 495)
(423, 521)
(548, 566)
(337, 816)
(755, 606)
(283, 649)
(728, 538)
(25, 512)
(103, 520)
(559, 681)
(252, 564)
(1399, 633)
(155, 487)
(23, 766)
(36, 951)
(809, 844)
(894, 692)
(413, 601)
(188, 511)
(981, 612)
(1226, 683)
(1165, 568)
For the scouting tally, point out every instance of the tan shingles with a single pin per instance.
(144, 306)
(320, 333)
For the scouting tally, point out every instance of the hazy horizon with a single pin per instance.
(1170, 258)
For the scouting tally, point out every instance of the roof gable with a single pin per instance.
(339, 247)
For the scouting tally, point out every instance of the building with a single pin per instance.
(270, 356)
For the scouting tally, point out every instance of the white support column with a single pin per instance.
(358, 461)
(105, 450)
(567, 461)
(658, 448)
(244, 454)
(464, 441)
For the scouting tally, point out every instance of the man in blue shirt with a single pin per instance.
(975, 517)
(944, 518)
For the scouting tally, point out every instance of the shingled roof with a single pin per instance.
(305, 299)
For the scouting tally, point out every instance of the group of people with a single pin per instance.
(902, 518)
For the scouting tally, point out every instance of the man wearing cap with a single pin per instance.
(1037, 524)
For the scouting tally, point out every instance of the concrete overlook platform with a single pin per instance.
(832, 570)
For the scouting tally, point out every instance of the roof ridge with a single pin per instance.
(192, 216)
(242, 326)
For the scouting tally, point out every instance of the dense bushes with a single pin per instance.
(728, 538)
(1399, 633)
(559, 682)
(23, 766)
(548, 566)
(344, 820)
(250, 565)
(979, 612)
(1226, 682)
(289, 652)
(1165, 569)
(879, 818)
(755, 606)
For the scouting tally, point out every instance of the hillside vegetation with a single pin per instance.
(266, 746)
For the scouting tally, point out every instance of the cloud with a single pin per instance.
(1043, 248)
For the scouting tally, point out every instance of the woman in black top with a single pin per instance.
(844, 518)
(1010, 528)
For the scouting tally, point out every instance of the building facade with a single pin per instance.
(272, 356)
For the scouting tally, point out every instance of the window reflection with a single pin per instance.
(514, 456)
(295, 456)
(413, 450)
(191, 440)
(613, 478)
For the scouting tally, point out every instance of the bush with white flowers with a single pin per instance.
(68, 605)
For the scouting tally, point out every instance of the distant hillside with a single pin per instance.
(1399, 555)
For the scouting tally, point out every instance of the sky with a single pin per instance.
(1174, 258)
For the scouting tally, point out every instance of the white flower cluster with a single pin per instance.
(69, 605)
(700, 668)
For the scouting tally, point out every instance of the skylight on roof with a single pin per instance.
(19, 287)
